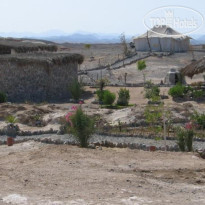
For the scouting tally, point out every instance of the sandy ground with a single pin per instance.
(103, 53)
(156, 70)
(35, 173)
(157, 67)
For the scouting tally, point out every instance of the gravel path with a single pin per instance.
(139, 143)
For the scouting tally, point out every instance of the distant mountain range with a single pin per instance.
(62, 37)
(84, 37)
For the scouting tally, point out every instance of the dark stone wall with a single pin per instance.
(37, 82)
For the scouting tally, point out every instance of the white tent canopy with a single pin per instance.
(162, 39)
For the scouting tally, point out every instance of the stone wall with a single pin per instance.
(36, 82)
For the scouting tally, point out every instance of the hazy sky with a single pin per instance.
(99, 16)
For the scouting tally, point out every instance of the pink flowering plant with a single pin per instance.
(80, 125)
(69, 114)
(185, 137)
(189, 127)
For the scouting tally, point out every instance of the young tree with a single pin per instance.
(124, 44)
(101, 85)
(88, 47)
(141, 66)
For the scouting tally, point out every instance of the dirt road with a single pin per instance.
(35, 173)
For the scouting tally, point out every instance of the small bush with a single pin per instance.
(181, 138)
(11, 119)
(189, 140)
(185, 139)
(141, 65)
(151, 90)
(177, 91)
(108, 97)
(153, 116)
(199, 119)
(3, 97)
(123, 97)
(188, 90)
(82, 127)
(198, 93)
(76, 90)
(100, 94)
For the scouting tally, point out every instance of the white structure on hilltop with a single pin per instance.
(162, 39)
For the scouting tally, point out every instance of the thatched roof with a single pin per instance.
(162, 31)
(25, 45)
(43, 58)
(194, 68)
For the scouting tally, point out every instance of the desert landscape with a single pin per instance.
(96, 110)
(36, 173)
(36, 170)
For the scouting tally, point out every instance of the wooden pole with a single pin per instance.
(165, 138)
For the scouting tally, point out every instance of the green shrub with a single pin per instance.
(108, 97)
(76, 90)
(153, 116)
(181, 133)
(100, 95)
(155, 99)
(198, 93)
(199, 119)
(141, 65)
(189, 140)
(151, 90)
(82, 127)
(185, 139)
(3, 97)
(123, 97)
(188, 90)
(11, 119)
(177, 91)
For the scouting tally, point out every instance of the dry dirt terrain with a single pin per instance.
(51, 114)
(157, 67)
(34, 173)
(102, 53)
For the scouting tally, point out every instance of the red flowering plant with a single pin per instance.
(189, 127)
(69, 114)
(80, 125)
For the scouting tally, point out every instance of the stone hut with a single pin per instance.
(38, 77)
(173, 77)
